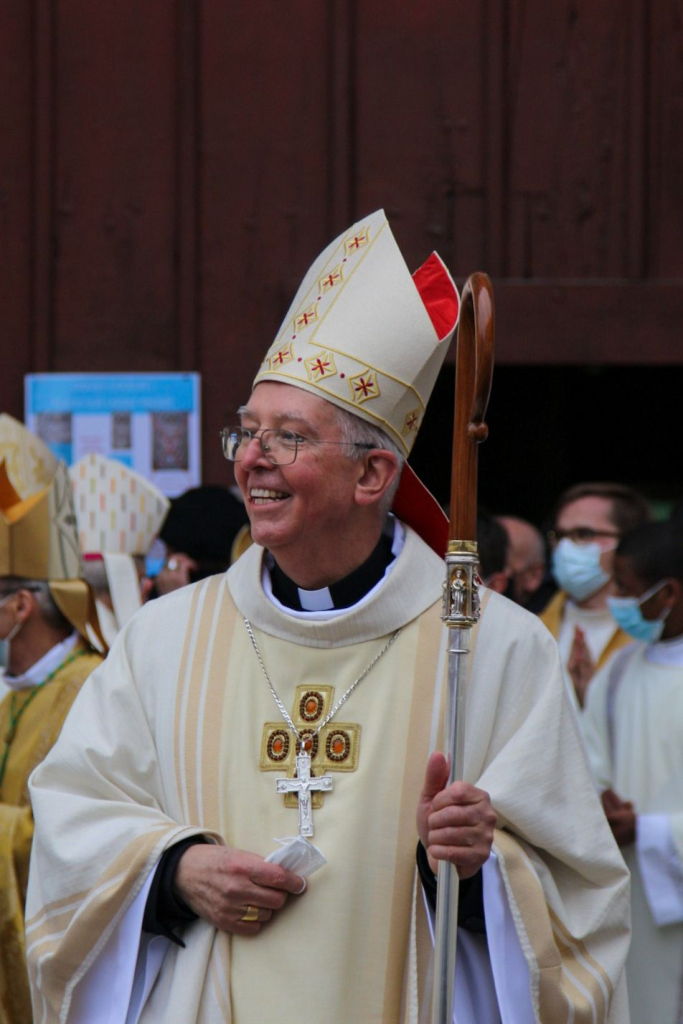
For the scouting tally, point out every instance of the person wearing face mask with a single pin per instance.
(46, 614)
(589, 521)
(633, 727)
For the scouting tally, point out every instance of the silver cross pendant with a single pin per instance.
(303, 785)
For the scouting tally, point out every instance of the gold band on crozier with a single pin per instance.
(250, 914)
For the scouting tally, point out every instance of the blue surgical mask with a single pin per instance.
(153, 566)
(628, 616)
(577, 569)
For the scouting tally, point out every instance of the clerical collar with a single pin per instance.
(42, 668)
(345, 592)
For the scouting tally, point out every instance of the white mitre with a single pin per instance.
(365, 334)
(119, 513)
(30, 465)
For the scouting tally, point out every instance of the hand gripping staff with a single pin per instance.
(473, 373)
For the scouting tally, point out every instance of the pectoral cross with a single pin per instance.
(303, 785)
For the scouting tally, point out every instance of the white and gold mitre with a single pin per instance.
(365, 334)
(29, 463)
(118, 511)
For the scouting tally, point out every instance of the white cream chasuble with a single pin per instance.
(179, 734)
(633, 724)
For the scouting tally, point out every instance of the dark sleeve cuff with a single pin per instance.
(427, 876)
(164, 909)
(471, 898)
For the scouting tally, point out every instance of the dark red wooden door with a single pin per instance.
(168, 169)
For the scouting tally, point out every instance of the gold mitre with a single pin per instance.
(38, 541)
(118, 511)
(30, 464)
(365, 334)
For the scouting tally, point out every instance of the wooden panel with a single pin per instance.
(42, 179)
(168, 171)
(273, 176)
(115, 186)
(16, 63)
(593, 323)
(187, 192)
(575, 137)
(665, 151)
(421, 126)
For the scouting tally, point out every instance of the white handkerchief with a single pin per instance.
(297, 855)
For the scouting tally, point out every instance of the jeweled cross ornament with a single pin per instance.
(303, 785)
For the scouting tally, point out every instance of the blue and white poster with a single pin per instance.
(148, 421)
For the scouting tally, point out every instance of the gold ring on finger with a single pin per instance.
(250, 914)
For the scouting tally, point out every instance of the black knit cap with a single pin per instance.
(203, 523)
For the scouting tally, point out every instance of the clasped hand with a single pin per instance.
(621, 817)
(455, 823)
(220, 884)
(580, 665)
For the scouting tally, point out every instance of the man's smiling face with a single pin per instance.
(300, 512)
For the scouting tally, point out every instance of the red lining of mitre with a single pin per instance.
(416, 506)
(439, 295)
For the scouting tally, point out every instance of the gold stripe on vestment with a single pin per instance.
(196, 684)
(584, 1010)
(181, 698)
(567, 988)
(526, 897)
(423, 671)
(115, 891)
(212, 735)
(49, 910)
(588, 978)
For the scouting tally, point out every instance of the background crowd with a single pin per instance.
(602, 574)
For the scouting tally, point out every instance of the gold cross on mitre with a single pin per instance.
(335, 748)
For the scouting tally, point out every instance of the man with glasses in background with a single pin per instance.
(589, 520)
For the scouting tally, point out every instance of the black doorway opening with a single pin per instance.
(551, 427)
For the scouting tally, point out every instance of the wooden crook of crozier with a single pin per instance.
(473, 374)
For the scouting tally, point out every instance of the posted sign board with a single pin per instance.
(148, 421)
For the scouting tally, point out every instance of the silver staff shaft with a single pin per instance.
(461, 612)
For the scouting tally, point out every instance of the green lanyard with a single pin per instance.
(15, 716)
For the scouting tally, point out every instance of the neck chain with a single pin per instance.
(15, 716)
(305, 783)
(308, 742)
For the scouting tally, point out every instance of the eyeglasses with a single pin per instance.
(580, 535)
(280, 447)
